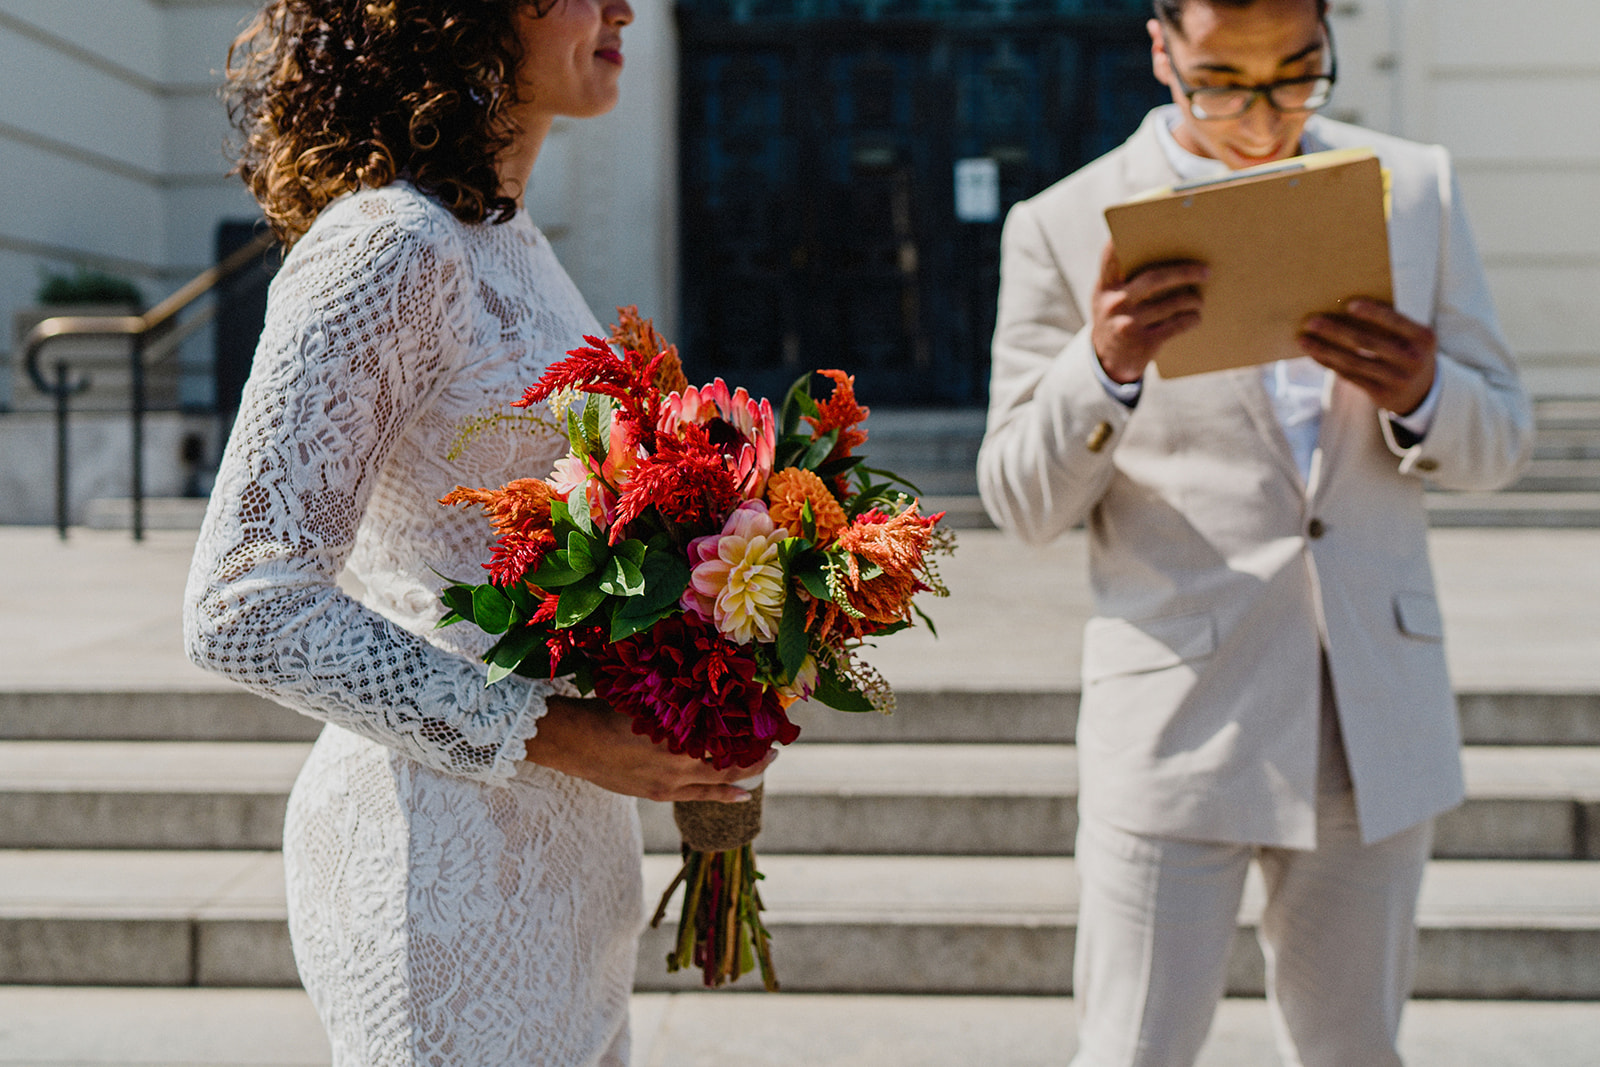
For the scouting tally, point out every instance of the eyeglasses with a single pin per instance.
(1230, 101)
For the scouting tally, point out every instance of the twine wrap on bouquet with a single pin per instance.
(712, 826)
(719, 928)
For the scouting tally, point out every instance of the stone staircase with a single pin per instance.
(938, 451)
(928, 853)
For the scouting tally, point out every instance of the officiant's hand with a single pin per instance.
(1385, 354)
(589, 740)
(1134, 317)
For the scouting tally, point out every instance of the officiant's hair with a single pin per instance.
(1171, 11)
(330, 96)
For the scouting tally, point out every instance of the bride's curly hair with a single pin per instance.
(336, 95)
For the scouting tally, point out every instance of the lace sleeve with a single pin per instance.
(366, 323)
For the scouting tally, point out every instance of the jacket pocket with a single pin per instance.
(1113, 647)
(1417, 615)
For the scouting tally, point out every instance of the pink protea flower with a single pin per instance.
(736, 579)
(742, 427)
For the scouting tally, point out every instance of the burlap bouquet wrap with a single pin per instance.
(712, 826)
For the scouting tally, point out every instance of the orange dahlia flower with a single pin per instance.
(790, 490)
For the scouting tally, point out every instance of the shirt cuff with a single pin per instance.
(1419, 422)
(1127, 393)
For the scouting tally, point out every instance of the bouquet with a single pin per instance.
(700, 563)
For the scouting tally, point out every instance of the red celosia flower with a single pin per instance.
(689, 481)
(629, 379)
(685, 685)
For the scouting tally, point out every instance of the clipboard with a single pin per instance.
(1284, 240)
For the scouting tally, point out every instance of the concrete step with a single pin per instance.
(1488, 717)
(160, 513)
(853, 924)
(1560, 476)
(1514, 509)
(1567, 441)
(100, 1027)
(965, 800)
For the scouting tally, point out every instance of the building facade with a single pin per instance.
(793, 183)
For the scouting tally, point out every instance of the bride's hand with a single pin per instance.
(588, 740)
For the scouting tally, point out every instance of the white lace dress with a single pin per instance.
(448, 903)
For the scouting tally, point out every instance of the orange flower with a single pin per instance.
(521, 506)
(520, 514)
(635, 332)
(899, 546)
(790, 490)
(840, 412)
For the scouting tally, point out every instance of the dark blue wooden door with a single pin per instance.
(819, 145)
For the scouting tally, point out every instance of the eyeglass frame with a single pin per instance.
(1259, 91)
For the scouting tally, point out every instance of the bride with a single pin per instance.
(462, 862)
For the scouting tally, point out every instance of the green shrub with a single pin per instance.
(88, 287)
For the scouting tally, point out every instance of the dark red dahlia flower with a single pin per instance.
(686, 685)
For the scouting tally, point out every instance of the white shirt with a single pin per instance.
(1299, 388)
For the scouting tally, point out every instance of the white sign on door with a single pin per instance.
(977, 189)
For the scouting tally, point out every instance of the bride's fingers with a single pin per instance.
(727, 794)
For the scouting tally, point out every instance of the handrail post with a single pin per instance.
(136, 388)
(61, 392)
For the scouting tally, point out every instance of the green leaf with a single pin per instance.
(789, 451)
(559, 515)
(597, 424)
(621, 578)
(491, 609)
(891, 477)
(838, 693)
(578, 601)
(580, 518)
(554, 572)
(792, 641)
(630, 618)
(632, 550)
(449, 620)
(923, 615)
(458, 598)
(585, 554)
(819, 450)
(814, 576)
(575, 435)
(808, 521)
(666, 576)
(536, 664)
(796, 402)
(509, 652)
(835, 467)
(523, 600)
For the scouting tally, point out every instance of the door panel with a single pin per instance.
(818, 195)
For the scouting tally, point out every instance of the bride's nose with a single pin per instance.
(617, 13)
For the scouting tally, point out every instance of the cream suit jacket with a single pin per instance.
(1218, 571)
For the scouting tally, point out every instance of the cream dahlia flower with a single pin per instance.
(736, 580)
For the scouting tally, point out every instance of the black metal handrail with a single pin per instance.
(138, 328)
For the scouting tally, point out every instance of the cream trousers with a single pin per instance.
(1156, 922)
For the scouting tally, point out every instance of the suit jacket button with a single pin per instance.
(1098, 437)
(1426, 464)
(1315, 529)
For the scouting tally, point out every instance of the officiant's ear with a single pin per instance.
(1160, 60)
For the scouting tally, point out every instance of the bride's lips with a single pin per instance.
(610, 55)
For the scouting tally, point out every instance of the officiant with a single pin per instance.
(1264, 679)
